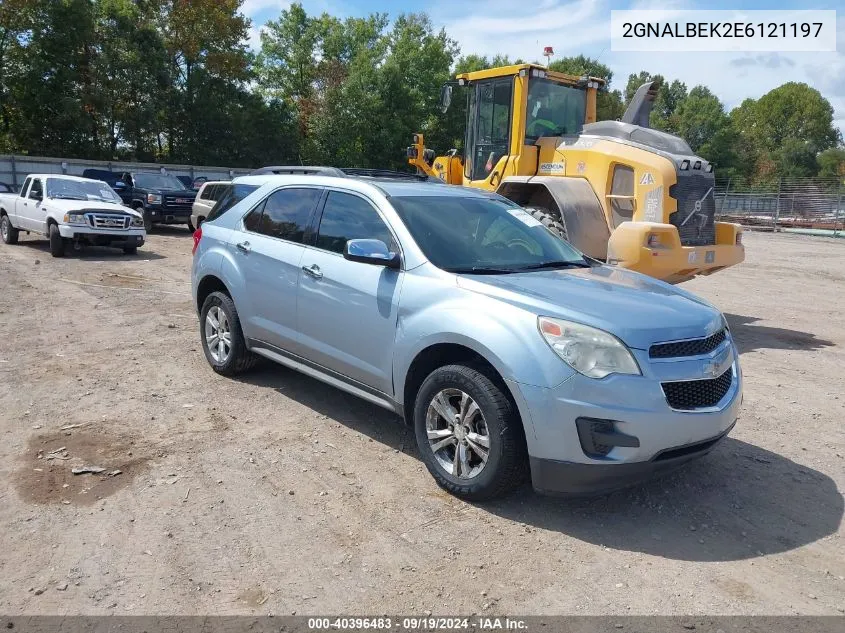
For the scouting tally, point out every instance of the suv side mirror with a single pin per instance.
(36, 195)
(445, 97)
(370, 252)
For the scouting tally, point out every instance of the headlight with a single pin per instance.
(589, 351)
(138, 222)
(153, 198)
(75, 218)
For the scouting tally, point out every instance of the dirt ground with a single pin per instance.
(277, 494)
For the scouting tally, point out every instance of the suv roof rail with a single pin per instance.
(382, 173)
(342, 172)
(301, 170)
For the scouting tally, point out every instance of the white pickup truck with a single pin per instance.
(70, 210)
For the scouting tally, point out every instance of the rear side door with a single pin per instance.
(18, 211)
(348, 310)
(268, 252)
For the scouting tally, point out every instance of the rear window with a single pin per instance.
(232, 195)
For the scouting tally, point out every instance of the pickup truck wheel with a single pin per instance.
(148, 219)
(222, 337)
(469, 434)
(57, 242)
(9, 233)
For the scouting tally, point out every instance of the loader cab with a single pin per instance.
(509, 109)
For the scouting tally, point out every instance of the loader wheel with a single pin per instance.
(548, 220)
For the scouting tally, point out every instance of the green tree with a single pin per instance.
(784, 131)
(832, 163)
(608, 102)
(701, 120)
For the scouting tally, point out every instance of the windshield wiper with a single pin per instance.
(65, 197)
(482, 270)
(559, 264)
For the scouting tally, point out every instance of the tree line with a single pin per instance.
(175, 81)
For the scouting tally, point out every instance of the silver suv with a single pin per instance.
(507, 351)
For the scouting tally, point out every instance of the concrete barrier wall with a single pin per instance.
(14, 168)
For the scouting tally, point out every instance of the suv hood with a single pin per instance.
(637, 309)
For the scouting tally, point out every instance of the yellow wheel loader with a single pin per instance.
(617, 190)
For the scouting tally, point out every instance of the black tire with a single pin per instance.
(548, 220)
(507, 463)
(130, 250)
(240, 359)
(57, 242)
(148, 219)
(9, 233)
(191, 227)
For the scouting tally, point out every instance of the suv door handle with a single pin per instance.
(313, 270)
(243, 247)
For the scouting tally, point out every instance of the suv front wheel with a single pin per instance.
(222, 338)
(469, 433)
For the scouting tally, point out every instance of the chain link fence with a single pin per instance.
(805, 203)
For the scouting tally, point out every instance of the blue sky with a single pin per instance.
(573, 27)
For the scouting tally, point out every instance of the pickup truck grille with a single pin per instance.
(108, 221)
(179, 203)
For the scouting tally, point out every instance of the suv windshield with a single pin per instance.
(482, 235)
(64, 188)
(157, 181)
(553, 109)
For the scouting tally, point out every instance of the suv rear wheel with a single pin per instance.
(222, 338)
(469, 434)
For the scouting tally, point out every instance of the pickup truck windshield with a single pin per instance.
(63, 188)
(482, 235)
(157, 181)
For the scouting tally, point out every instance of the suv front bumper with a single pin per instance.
(649, 436)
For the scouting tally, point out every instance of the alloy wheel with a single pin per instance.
(218, 335)
(457, 433)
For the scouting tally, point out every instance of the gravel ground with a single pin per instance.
(277, 494)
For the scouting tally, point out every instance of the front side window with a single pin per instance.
(285, 214)
(349, 217)
(482, 235)
(622, 208)
(553, 109)
(37, 191)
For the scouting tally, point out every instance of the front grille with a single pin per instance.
(689, 395)
(694, 347)
(109, 221)
(178, 202)
(695, 217)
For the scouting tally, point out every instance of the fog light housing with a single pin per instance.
(598, 437)
(684, 165)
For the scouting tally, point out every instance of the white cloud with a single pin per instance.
(254, 8)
